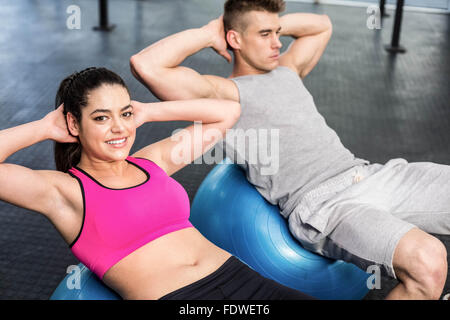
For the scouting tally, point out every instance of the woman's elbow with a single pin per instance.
(234, 112)
(231, 112)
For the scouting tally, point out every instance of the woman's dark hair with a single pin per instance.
(73, 92)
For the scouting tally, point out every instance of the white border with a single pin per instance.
(366, 4)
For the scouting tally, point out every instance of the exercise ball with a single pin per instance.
(231, 213)
(83, 284)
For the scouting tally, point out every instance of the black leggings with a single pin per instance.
(234, 280)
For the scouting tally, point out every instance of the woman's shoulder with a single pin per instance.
(62, 180)
(67, 202)
(69, 197)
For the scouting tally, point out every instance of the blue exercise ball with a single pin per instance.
(231, 213)
(83, 284)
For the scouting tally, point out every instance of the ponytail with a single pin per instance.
(67, 155)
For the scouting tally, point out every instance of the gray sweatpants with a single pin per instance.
(360, 215)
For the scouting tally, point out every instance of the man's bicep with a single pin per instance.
(178, 83)
(223, 88)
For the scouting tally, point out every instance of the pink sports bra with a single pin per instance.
(116, 222)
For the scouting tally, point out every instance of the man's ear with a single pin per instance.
(72, 125)
(234, 39)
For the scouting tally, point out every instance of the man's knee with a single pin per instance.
(420, 263)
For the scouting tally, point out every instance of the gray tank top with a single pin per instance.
(281, 141)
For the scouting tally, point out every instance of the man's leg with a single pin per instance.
(378, 216)
(420, 265)
(366, 235)
(420, 259)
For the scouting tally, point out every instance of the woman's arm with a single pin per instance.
(35, 190)
(212, 116)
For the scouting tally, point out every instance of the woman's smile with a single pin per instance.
(117, 143)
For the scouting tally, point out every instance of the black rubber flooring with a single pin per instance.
(382, 106)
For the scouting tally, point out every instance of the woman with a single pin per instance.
(122, 215)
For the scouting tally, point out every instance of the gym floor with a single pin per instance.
(382, 106)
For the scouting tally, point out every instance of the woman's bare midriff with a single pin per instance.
(164, 265)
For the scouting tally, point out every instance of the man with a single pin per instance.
(337, 205)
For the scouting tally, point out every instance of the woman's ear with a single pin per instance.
(233, 39)
(72, 124)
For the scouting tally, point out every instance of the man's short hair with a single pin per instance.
(234, 11)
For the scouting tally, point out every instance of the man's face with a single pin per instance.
(260, 44)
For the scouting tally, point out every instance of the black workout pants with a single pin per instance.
(234, 280)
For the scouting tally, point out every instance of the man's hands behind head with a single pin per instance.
(218, 42)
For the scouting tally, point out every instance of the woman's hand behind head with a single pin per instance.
(56, 125)
(140, 112)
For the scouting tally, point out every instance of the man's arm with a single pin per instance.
(158, 66)
(312, 33)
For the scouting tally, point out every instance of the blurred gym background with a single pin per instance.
(382, 84)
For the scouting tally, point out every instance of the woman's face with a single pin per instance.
(107, 128)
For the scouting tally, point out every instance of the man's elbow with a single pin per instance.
(135, 65)
(327, 23)
(142, 70)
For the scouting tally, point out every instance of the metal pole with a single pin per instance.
(395, 47)
(103, 17)
(103, 9)
(382, 11)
